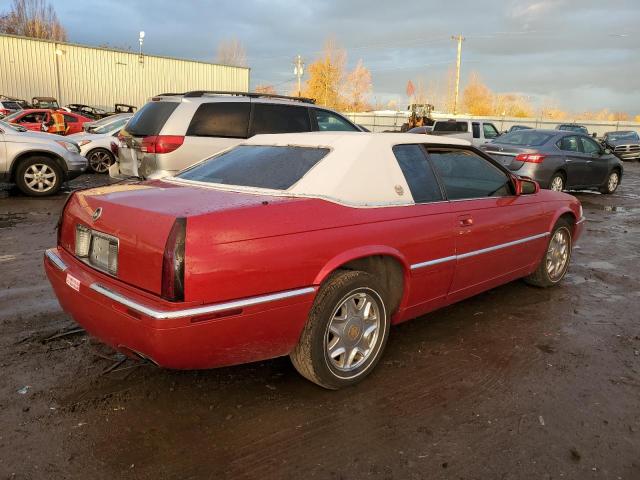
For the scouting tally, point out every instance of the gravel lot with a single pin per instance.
(515, 383)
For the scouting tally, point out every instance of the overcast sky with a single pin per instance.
(577, 54)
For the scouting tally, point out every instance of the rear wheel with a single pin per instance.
(346, 331)
(613, 180)
(100, 160)
(39, 176)
(557, 182)
(555, 263)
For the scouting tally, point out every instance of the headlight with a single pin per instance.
(83, 142)
(71, 147)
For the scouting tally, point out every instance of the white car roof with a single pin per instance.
(360, 170)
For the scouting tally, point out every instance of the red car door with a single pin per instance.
(499, 235)
(74, 125)
(430, 249)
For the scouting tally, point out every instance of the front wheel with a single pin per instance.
(555, 263)
(346, 331)
(39, 176)
(100, 160)
(613, 180)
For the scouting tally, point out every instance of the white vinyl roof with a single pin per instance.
(360, 170)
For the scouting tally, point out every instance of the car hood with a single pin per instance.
(31, 136)
(622, 142)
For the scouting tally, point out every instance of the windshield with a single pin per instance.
(8, 118)
(14, 128)
(110, 127)
(275, 168)
(621, 136)
(11, 105)
(524, 138)
(150, 119)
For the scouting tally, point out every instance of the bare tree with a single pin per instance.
(32, 18)
(231, 52)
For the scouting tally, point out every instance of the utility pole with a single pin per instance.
(459, 39)
(298, 71)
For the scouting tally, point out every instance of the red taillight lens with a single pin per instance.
(114, 148)
(161, 143)
(530, 157)
(173, 262)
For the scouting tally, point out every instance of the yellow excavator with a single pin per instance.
(420, 116)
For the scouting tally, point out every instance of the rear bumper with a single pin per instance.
(178, 336)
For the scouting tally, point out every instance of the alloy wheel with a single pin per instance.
(40, 177)
(352, 332)
(557, 184)
(558, 252)
(100, 161)
(612, 184)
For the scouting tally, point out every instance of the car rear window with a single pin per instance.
(221, 119)
(150, 119)
(525, 138)
(451, 127)
(272, 167)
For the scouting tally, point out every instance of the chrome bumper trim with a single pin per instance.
(582, 219)
(478, 252)
(191, 312)
(55, 259)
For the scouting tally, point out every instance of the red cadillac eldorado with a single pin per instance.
(309, 245)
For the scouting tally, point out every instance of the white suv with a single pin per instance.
(174, 131)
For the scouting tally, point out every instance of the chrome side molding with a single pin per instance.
(194, 311)
(55, 259)
(478, 252)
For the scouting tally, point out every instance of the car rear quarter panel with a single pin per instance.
(298, 244)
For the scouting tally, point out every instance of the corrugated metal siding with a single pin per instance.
(102, 77)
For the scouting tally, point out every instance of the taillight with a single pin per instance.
(173, 262)
(161, 143)
(114, 148)
(530, 157)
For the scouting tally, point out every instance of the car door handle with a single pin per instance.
(466, 220)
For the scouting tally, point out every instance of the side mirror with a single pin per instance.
(526, 186)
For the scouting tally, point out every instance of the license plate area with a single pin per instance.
(97, 249)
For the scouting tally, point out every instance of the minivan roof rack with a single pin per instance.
(201, 93)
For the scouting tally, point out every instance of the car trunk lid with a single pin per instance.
(506, 154)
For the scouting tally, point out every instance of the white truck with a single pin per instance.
(475, 131)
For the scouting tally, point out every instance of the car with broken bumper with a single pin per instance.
(308, 245)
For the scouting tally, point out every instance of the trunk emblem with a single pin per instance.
(96, 214)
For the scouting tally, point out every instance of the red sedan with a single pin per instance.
(307, 245)
(33, 118)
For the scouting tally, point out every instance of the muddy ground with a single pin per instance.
(515, 383)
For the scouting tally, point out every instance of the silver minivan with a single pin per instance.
(174, 131)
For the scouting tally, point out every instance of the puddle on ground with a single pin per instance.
(8, 220)
(610, 208)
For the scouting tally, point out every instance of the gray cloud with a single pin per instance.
(578, 54)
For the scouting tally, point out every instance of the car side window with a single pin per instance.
(330, 122)
(589, 146)
(418, 173)
(568, 144)
(70, 119)
(467, 175)
(221, 119)
(475, 126)
(489, 130)
(31, 118)
(274, 118)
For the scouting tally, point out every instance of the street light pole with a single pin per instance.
(140, 40)
(298, 70)
(58, 53)
(459, 39)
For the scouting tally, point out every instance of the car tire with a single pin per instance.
(557, 182)
(39, 176)
(99, 160)
(346, 331)
(612, 182)
(555, 262)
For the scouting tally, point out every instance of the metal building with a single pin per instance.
(103, 77)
